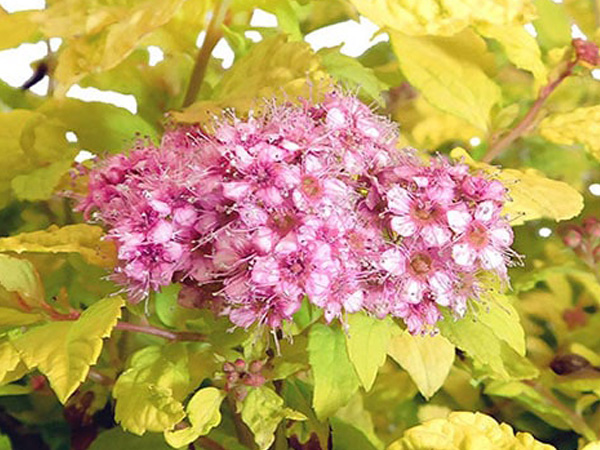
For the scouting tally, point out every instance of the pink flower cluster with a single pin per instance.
(302, 201)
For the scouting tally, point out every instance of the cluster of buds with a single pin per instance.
(584, 239)
(314, 200)
(239, 375)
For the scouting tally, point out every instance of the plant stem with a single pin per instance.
(213, 34)
(496, 148)
(100, 378)
(578, 423)
(160, 332)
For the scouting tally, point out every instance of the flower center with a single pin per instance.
(478, 236)
(421, 264)
(310, 186)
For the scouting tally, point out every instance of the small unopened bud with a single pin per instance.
(240, 365)
(256, 366)
(592, 227)
(567, 364)
(587, 52)
(254, 379)
(572, 237)
(228, 367)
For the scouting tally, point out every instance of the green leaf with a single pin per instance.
(521, 48)
(552, 24)
(203, 414)
(149, 393)
(19, 276)
(367, 343)
(262, 410)
(333, 373)
(11, 366)
(5, 442)
(113, 130)
(10, 317)
(575, 127)
(15, 389)
(80, 238)
(272, 68)
(64, 351)
(116, 438)
(448, 73)
(427, 359)
(465, 431)
(345, 436)
(350, 72)
(40, 183)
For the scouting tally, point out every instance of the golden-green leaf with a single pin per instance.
(64, 351)
(203, 414)
(40, 183)
(19, 276)
(580, 126)
(17, 28)
(448, 73)
(80, 238)
(552, 24)
(149, 393)
(466, 431)
(427, 359)
(443, 17)
(532, 195)
(367, 343)
(334, 375)
(11, 366)
(521, 48)
(272, 68)
(262, 410)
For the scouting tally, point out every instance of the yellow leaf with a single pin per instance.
(150, 391)
(427, 359)
(443, 17)
(203, 414)
(447, 72)
(19, 276)
(80, 238)
(64, 351)
(580, 126)
(466, 431)
(11, 366)
(532, 195)
(10, 317)
(272, 68)
(521, 48)
(17, 28)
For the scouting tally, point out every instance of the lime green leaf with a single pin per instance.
(438, 68)
(532, 195)
(465, 431)
(150, 391)
(203, 414)
(40, 183)
(14, 389)
(427, 359)
(272, 68)
(552, 24)
(64, 351)
(19, 276)
(10, 317)
(262, 410)
(350, 72)
(334, 375)
(113, 130)
(17, 28)
(575, 127)
(11, 366)
(367, 343)
(80, 238)
(443, 17)
(116, 438)
(361, 419)
(521, 48)
(345, 436)
(5, 442)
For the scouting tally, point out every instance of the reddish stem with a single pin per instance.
(496, 148)
(160, 332)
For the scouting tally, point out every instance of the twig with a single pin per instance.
(496, 148)
(100, 378)
(213, 34)
(160, 332)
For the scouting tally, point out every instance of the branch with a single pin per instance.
(160, 332)
(496, 148)
(213, 34)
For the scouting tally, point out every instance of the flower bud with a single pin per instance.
(572, 237)
(592, 227)
(256, 366)
(567, 364)
(228, 367)
(586, 51)
(240, 365)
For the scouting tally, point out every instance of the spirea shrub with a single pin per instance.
(253, 214)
